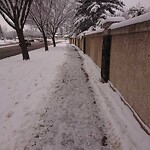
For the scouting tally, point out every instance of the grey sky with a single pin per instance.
(128, 4)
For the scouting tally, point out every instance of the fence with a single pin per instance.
(123, 54)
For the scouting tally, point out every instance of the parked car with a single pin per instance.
(28, 43)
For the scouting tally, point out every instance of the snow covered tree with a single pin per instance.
(15, 13)
(11, 34)
(49, 15)
(134, 11)
(4, 30)
(61, 11)
(90, 11)
(39, 14)
(137, 10)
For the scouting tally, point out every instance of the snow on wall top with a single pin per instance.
(142, 18)
(90, 31)
(94, 32)
(73, 36)
(114, 19)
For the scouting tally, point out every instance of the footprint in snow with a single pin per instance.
(10, 114)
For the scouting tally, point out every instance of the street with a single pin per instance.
(14, 49)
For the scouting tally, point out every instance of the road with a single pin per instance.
(12, 50)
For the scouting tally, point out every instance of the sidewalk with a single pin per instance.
(72, 120)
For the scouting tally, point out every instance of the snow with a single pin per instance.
(98, 30)
(73, 36)
(23, 93)
(72, 119)
(89, 32)
(10, 45)
(135, 20)
(52, 87)
(3, 42)
(81, 19)
(114, 19)
(94, 7)
(132, 136)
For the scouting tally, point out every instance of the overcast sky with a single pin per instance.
(128, 4)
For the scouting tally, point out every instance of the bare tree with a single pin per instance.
(1, 33)
(4, 29)
(15, 13)
(60, 12)
(39, 14)
(11, 34)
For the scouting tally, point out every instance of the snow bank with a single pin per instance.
(24, 93)
(9, 45)
(90, 31)
(139, 19)
(121, 118)
(3, 42)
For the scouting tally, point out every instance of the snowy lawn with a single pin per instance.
(5, 42)
(24, 88)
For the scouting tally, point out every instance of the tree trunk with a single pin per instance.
(53, 39)
(22, 42)
(45, 41)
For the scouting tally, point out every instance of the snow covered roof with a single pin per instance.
(142, 18)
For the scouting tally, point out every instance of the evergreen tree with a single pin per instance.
(137, 10)
(90, 11)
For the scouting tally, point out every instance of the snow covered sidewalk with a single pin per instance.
(72, 120)
(56, 101)
(24, 93)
